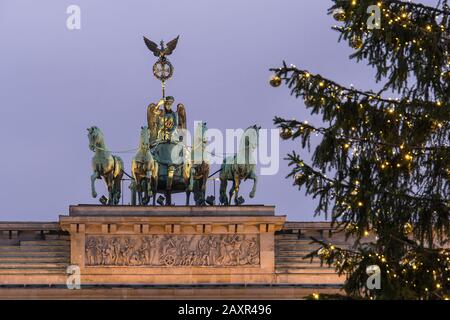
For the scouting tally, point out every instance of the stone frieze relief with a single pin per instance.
(221, 250)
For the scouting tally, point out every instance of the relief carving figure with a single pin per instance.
(212, 254)
(236, 244)
(230, 250)
(115, 243)
(207, 251)
(145, 250)
(91, 251)
(101, 248)
(224, 256)
(173, 250)
(251, 249)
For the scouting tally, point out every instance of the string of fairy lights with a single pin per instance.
(397, 13)
(311, 84)
(303, 127)
(318, 91)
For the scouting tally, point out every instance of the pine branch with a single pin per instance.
(302, 81)
(410, 42)
(301, 128)
(311, 173)
(415, 5)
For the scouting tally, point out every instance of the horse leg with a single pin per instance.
(236, 189)
(195, 192)
(144, 191)
(133, 192)
(168, 197)
(155, 170)
(149, 183)
(138, 190)
(188, 196)
(205, 175)
(191, 186)
(223, 191)
(149, 189)
(170, 173)
(254, 177)
(109, 183)
(94, 177)
(203, 190)
(117, 189)
(154, 199)
(155, 188)
(190, 180)
(231, 192)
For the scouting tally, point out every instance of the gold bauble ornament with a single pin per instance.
(356, 42)
(408, 228)
(297, 178)
(275, 81)
(351, 227)
(323, 253)
(286, 133)
(339, 14)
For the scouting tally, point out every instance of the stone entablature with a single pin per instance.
(25, 240)
(167, 245)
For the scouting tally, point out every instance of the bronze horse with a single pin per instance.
(105, 165)
(241, 166)
(144, 170)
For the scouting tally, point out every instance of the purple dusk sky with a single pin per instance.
(54, 83)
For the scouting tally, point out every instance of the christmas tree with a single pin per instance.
(382, 167)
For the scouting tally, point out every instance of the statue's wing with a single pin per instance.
(150, 114)
(153, 47)
(152, 121)
(171, 45)
(181, 111)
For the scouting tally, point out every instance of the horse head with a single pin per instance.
(95, 136)
(204, 126)
(250, 138)
(145, 138)
(200, 139)
(203, 129)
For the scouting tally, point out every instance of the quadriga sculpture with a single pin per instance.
(145, 171)
(106, 166)
(241, 166)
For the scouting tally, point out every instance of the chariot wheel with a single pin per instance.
(169, 260)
